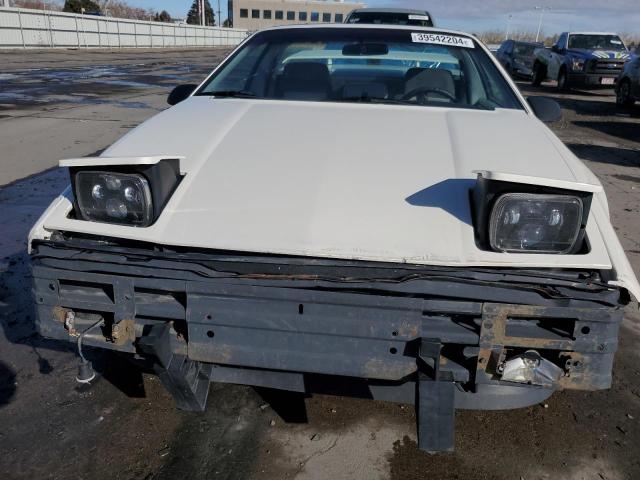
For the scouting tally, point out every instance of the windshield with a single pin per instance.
(596, 42)
(391, 18)
(363, 65)
(525, 49)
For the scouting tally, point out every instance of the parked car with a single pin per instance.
(343, 220)
(390, 16)
(628, 85)
(581, 59)
(517, 57)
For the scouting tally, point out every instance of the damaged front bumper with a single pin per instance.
(442, 338)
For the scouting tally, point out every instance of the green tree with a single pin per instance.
(163, 16)
(193, 17)
(76, 6)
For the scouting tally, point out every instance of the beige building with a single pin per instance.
(258, 14)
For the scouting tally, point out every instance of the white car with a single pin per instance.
(362, 210)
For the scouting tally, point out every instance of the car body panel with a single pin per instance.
(516, 63)
(323, 197)
(631, 73)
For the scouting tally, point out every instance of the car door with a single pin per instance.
(508, 55)
(556, 58)
(501, 53)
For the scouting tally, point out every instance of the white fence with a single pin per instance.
(26, 28)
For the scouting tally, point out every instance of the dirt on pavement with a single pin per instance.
(126, 425)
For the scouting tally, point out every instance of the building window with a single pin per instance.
(339, 17)
(302, 16)
(279, 14)
(244, 13)
(255, 13)
(291, 15)
(266, 14)
(315, 16)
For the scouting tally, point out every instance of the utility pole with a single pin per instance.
(506, 36)
(219, 17)
(542, 10)
(5, 3)
(202, 15)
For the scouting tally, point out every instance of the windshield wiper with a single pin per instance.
(231, 94)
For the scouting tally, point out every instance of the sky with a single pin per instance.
(473, 16)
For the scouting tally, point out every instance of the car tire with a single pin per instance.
(623, 94)
(563, 81)
(538, 75)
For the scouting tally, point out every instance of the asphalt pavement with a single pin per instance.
(61, 104)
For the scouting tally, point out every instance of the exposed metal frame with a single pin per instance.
(424, 335)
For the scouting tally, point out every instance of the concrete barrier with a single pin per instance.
(27, 28)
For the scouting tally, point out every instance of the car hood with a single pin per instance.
(599, 54)
(342, 180)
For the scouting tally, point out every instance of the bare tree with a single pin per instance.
(36, 4)
(121, 9)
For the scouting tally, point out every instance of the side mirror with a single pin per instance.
(545, 109)
(556, 49)
(180, 93)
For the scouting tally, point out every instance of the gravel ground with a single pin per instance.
(62, 104)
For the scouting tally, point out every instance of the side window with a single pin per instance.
(561, 44)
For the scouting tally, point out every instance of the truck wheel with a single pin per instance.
(563, 84)
(623, 94)
(539, 73)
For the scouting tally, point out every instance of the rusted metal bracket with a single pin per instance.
(187, 381)
(123, 332)
(583, 348)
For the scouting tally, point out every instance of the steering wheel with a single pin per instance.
(420, 92)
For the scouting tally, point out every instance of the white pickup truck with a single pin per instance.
(581, 59)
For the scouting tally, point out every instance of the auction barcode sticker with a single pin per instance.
(439, 39)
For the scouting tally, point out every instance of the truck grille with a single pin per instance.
(605, 66)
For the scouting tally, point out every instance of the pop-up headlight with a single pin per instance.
(124, 194)
(114, 197)
(513, 216)
(530, 222)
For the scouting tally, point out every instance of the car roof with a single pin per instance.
(369, 26)
(390, 10)
(524, 42)
(592, 33)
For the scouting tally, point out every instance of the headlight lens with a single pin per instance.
(539, 223)
(122, 198)
(577, 64)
